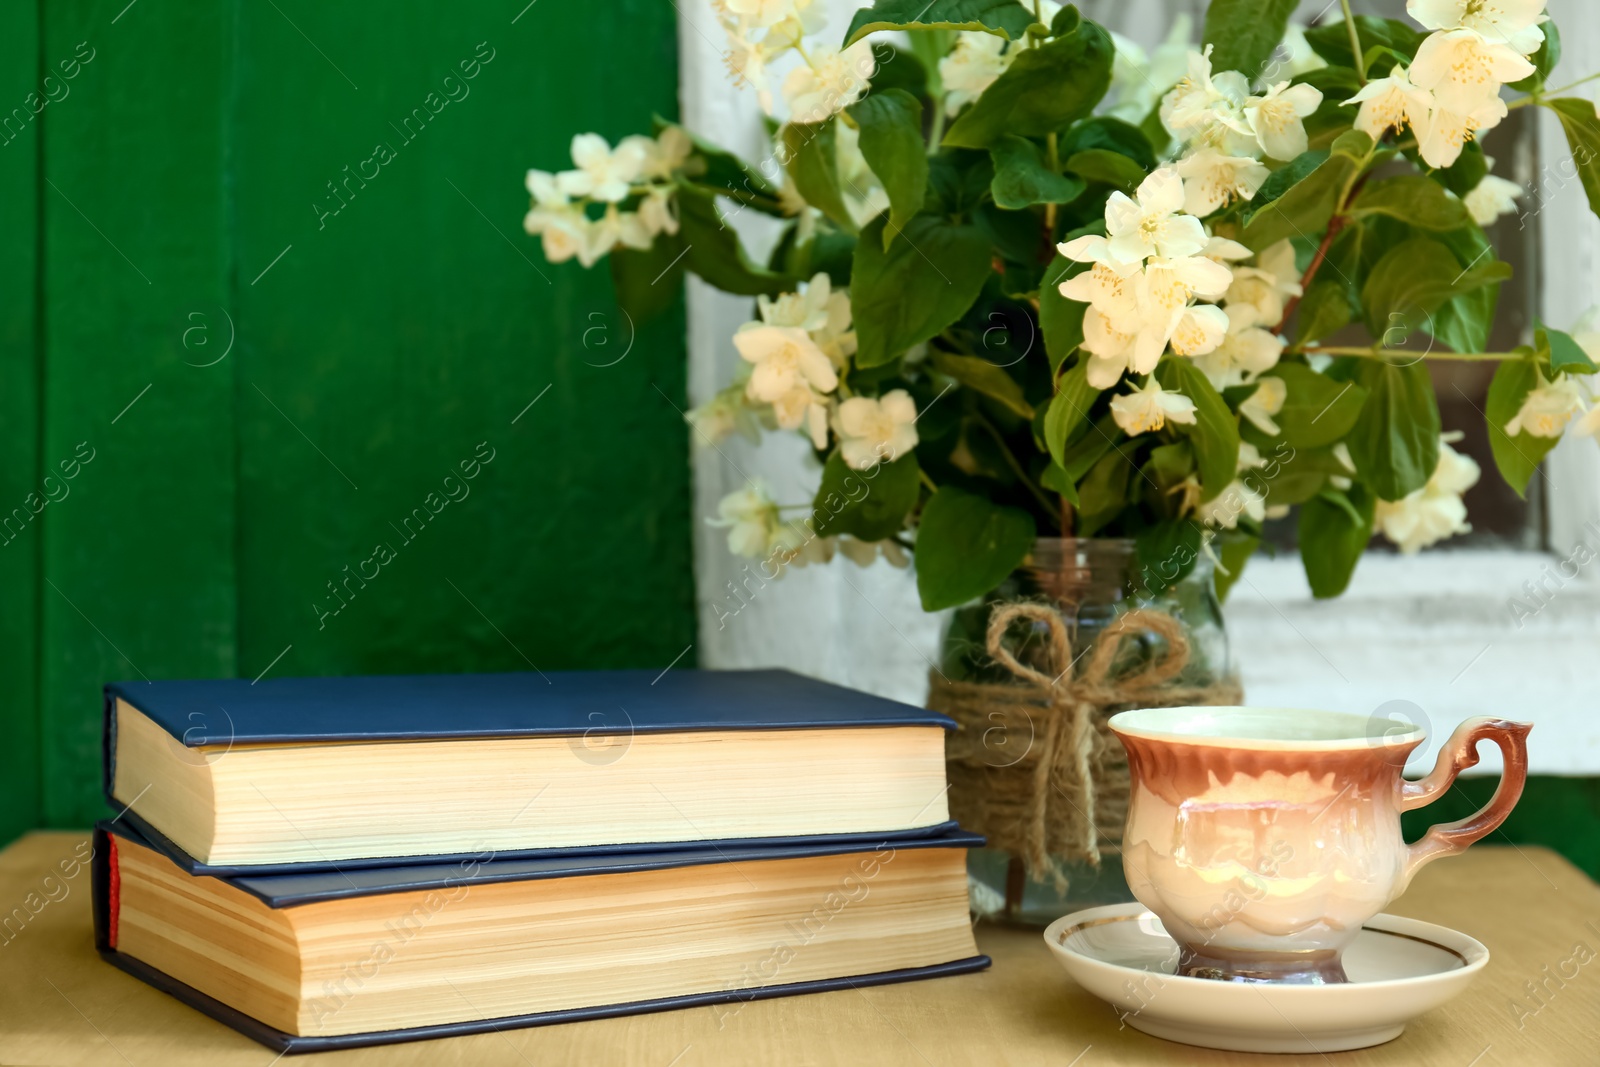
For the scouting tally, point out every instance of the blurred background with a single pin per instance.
(267, 287)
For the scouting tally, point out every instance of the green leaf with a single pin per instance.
(811, 158)
(1302, 202)
(958, 181)
(1110, 134)
(1068, 410)
(1331, 41)
(1462, 176)
(1060, 319)
(1215, 433)
(714, 251)
(1395, 439)
(1107, 166)
(984, 377)
(1544, 60)
(1245, 33)
(1234, 550)
(966, 546)
(1003, 18)
(726, 174)
(1317, 411)
(1166, 553)
(1045, 89)
(1415, 200)
(1325, 309)
(1413, 280)
(1334, 530)
(1022, 178)
(906, 294)
(1562, 352)
(1582, 127)
(896, 69)
(1103, 493)
(1056, 479)
(1464, 321)
(891, 142)
(870, 505)
(1517, 457)
(648, 281)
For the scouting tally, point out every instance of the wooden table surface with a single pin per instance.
(1540, 917)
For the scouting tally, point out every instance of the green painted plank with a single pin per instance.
(21, 82)
(409, 320)
(1558, 813)
(137, 563)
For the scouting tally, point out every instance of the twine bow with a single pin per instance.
(1012, 804)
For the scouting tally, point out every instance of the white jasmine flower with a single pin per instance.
(1277, 119)
(1390, 103)
(1151, 223)
(1491, 198)
(972, 66)
(1169, 284)
(871, 430)
(784, 357)
(663, 154)
(830, 82)
(1300, 57)
(1548, 408)
(1238, 498)
(796, 544)
(724, 415)
(751, 517)
(1225, 251)
(865, 553)
(1433, 512)
(800, 407)
(1200, 330)
(1341, 452)
(1447, 132)
(1267, 286)
(1209, 110)
(747, 65)
(624, 228)
(1245, 352)
(1149, 408)
(602, 174)
(764, 14)
(1115, 292)
(1212, 180)
(563, 234)
(1260, 406)
(545, 190)
(820, 310)
(1510, 22)
(1462, 69)
(658, 211)
(1111, 350)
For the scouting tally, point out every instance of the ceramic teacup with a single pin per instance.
(1264, 837)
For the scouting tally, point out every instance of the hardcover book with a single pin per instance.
(335, 772)
(327, 959)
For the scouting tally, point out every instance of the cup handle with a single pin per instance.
(1459, 753)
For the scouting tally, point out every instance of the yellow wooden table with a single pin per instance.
(1536, 1005)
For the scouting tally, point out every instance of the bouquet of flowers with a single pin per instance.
(1033, 281)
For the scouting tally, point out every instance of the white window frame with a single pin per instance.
(1438, 631)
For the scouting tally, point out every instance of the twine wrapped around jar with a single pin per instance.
(1067, 793)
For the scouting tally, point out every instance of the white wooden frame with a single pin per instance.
(1438, 632)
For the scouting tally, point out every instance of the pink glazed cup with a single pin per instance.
(1264, 837)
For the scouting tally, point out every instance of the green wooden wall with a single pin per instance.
(259, 364)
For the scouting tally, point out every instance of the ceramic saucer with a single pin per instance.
(1398, 969)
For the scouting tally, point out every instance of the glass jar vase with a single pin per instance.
(1085, 628)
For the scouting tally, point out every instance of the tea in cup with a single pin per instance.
(1263, 837)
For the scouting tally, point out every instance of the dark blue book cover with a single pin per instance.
(306, 888)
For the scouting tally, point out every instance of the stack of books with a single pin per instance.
(330, 862)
